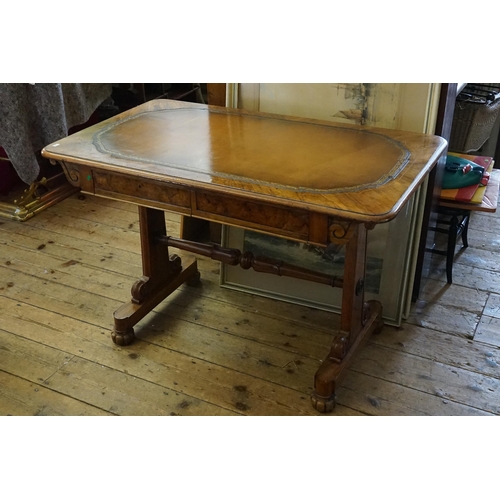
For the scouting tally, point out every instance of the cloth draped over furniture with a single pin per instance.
(34, 115)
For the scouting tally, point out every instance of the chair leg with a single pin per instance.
(465, 223)
(452, 242)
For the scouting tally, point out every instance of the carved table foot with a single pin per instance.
(123, 338)
(194, 280)
(321, 404)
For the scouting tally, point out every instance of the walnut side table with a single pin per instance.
(312, 181)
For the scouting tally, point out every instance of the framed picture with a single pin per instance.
(386, 279)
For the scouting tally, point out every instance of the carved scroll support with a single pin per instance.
(339, 348)
(144, 286)
(72, 172)
(340, 232)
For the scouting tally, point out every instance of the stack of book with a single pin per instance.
(475, 192)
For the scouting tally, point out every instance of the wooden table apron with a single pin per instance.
(168, 170)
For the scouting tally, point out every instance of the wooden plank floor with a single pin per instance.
(212, 351)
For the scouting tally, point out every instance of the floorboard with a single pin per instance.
(208, 350)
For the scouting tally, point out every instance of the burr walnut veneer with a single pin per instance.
(311, 181)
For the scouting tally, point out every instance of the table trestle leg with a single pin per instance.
(358, 320)
(162, 274)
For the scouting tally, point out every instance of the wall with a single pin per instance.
(389, 105)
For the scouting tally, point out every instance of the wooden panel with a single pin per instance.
(318, 229)
(146, 192)
(248, 214)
